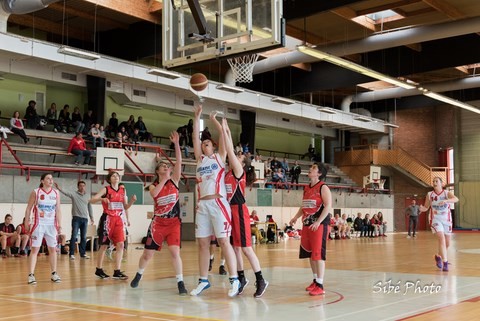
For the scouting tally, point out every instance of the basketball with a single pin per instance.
(198, 82)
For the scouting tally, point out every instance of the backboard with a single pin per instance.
(202, 30)
(110, 159)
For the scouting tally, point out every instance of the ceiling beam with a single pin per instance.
(85, 15)
(134, 8)
(445, 8)
(305, 36)
(388, 6)
(351, 15)
(156, 7)
(48, 26)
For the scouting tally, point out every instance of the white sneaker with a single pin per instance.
(86, 257)
(56, 278)
(234, 287)
(72, 257)
(31, 279)
(202, 285)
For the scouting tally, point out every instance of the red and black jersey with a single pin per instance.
(10, 228)
(312, 204)
(235, 188)
(117, 198)
(166, 202)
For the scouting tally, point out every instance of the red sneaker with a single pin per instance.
(317, 290)
(310, 287)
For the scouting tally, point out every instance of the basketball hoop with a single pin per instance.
(242, 67)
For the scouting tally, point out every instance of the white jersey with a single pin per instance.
(440, 212)
(45, 206)
(211, 176)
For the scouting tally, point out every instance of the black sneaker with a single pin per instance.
(118, 275)
(136, 280)
(243, 283)
(221, 270)
(101, 274)
(210, 266)
(261, 287)
(181, 288)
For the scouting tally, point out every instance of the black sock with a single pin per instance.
(241, 275)
(258, 275)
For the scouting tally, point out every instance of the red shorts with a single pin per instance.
(313, 244)
(241, 231)
(163, 229)
(111, 229)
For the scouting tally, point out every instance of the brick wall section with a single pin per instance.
(421, 133)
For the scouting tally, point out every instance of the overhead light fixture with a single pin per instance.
(452, 101)
(327, 110)
(78, 53)
(295, 133)
(281, 100)
(163, 73)
(231, 89)
(363, 119)
(390, 125)
(407, 84)
(132, 106)
(179, 114)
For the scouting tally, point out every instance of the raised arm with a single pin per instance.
(197, 144)
(235, 164)
(221, 139)
(99, 196)
(177, 169)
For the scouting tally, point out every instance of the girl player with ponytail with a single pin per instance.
(440, 219)
(315, 212)
(235, 181)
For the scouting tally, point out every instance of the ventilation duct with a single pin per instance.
(25, 6)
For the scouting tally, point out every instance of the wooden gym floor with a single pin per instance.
(359, 272)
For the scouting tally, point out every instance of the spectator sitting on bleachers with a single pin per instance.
(79, 148)
(52, 117)
(22, 239)
(77, 122)
(88, 120)
(64, 119)
(16, 126)
(382, 225)
(129, 125)
(310, 154)
(8, 235)
(274, 164)
(358, 225)
(96, 136)
(142, 129)
(268, 169)
(280, 179)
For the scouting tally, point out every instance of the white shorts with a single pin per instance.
(441, 226)
(213, 218)
(49, 232)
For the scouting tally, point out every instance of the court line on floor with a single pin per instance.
(33, 314)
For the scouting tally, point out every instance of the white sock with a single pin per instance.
(179, 277)
(314, 275)
(222, 262)
(140, 271)
(319, 280)
(212, 257)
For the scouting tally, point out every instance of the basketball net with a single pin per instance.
(242, 67)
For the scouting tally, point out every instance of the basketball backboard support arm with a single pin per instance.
(199, 18)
